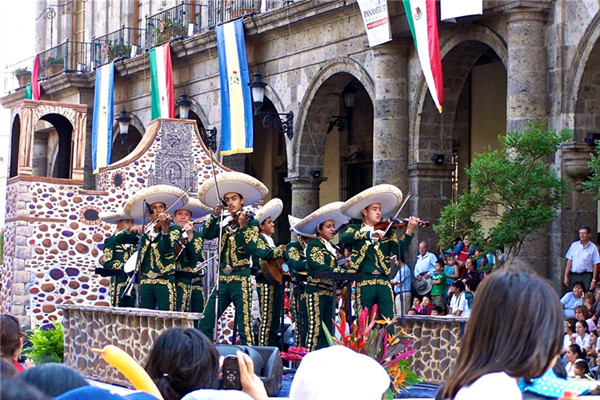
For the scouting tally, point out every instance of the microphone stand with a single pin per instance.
(135, 277)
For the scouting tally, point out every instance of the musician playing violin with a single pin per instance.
(270, 296)
(156, 258)
(114, 257)
(372, 246)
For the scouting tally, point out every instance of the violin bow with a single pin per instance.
(397, 213)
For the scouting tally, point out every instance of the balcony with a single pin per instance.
(179, 21)
(125, 42)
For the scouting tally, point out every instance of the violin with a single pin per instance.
(398, 223)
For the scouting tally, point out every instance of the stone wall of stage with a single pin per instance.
(132, 330)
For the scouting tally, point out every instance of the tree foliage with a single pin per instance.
(512, 187)
(592, 184)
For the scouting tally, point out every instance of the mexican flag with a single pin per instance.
(161, 80)
(32, 91)
(422, 20)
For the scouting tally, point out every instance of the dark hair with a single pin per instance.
(10, 333)
(582, 364)
(583, 323)
(496, 339)
(181, 361)
(438, 309)
(459, 285)
(580, 284)
(571, 322)
(7, 369)
(441, 262)
(15, 389)
(577, 350)
(587, 228)
(53, 379)
(472, 284)
(584, 310)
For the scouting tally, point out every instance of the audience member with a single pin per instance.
(458, 303)
(581, 336)
(471, 272)
(582, 370)
(462, 251)
(7, 368)
(572, 299)
(416, 304)
(592, 349)
(437, 311)
(582, 314)
(426, 305)
(573, 354)
(184, 360)
(402, 285)
(412, 311)
(438, 283)
(425, 264)
(451, 272)
(569, 330)
(583, 260)
(13, 389)
(499, 347)
(53, 379)
(11, 340)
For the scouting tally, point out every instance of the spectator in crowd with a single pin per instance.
(581, 336)
(470, 288)
(184, 360)
(595, 371)
(583, 260)
(425, 265)
(412, 311)
(416, 304)
(7, 368)
(499, 347)
(402, 285)
(595, 309)
(572, 299)
(471, 272)
(582, 370)
(451, 272)
(426, 305)
(437, 311)
(458, 303)
(438, 285)
(462, 251)
(480, 261)
(11, 340)
(592, 349)
(569, 330)
(582, 314)
(588, 301)
(573, 354)
(53, 379)
(13, 389)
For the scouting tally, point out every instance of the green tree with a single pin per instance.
(512, 187)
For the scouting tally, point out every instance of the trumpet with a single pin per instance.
(202, 265)
(129, 288)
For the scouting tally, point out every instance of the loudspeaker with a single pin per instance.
(267, 364)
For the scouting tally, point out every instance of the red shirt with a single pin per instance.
(18, 366)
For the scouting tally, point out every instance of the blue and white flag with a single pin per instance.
(237, 129)
(102, 128)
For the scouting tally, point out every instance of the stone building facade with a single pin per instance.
(521, 60)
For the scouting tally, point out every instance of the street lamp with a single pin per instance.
(348, 96)
(183, 105)
(283, 125)
(123, 119)
(209, 137)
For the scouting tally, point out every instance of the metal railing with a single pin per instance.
(68, 56)
(125, 42)
(17, 75)
(221, 11)
(178, 21)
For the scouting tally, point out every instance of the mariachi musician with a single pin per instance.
(296, 258)
(115, 256)
(270, 292)
(189, 253)
(373, 243)
(238, 233)
(157, 243)
(321, 257)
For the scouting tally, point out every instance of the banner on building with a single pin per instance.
(237, 126)
(376, 19)
(161, 82)
(460, 8)
(102, 125)
(422, 20)
(32, 91)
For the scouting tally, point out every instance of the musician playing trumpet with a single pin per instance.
(157, 244)
(270, 296)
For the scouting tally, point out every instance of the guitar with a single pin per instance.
(273, 270)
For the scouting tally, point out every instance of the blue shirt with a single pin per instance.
(425, 263)
(402, 277)
(570, 302)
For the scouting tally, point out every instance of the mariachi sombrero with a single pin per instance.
(293, 222)
(272, 208)
(172, 196)
(249, 187)
(308, 225)
(196, 207)
(112, 217)
(389, 196)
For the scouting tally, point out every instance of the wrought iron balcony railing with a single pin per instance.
(181, 20)
(125, 42)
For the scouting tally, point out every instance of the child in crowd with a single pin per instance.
(592, 349)
(451, 272)
(581, 336)
(11, 341)
(417, 305)
(480, 261)
(569, 330)
(458, 304)
(437, 311)
(582, 370)
(438, 282)
(572, 355)
(426, 305)
(470, 288)
(412, 311)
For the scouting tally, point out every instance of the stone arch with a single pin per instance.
(15, 145)
(302, 144)
(61, 164)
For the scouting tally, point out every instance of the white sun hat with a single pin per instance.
(389, 196)
(171, 196)
(249, 187)
(196, 207)
(308, 225)
(272, 208)
(293, 222)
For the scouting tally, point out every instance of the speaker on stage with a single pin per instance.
(267, 364)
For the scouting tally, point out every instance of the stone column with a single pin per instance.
(527, 69)
(305, 195)
(390, 113)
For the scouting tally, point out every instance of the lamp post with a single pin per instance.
(183, 105)
(283, 125)
(209, 137)
(348, 96)
(123, 119)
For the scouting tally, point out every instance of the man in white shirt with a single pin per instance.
(425, 265)
(583, 261)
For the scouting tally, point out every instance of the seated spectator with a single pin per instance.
(573, 354)
(426, 305)
(458, 303)
(11, 340)
(14, 389)
(582, 314)
(417, 305)
(581, 336)
(470, 288)
(569, 330)
(572, 299)
(52, 379)
(480, 261)
(595, 371)
(437, 311)
(592, 349)
(184, 360)
(471, 272)
(595, 310)
(319, 376)
(463, 250)
(588, 301)
(412, 311)
(582, 370)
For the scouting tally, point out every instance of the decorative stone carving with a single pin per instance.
(575, 159)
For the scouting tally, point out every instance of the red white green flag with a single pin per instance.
(161, 80)
(32, 91)
(422, 20)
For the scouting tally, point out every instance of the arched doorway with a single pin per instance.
(52, 153)
(14, 146)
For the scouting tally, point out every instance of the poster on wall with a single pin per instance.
(376, 19)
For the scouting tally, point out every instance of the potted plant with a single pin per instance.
(23, 75)
(47, 343)
(53, 65)
(119, 50)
